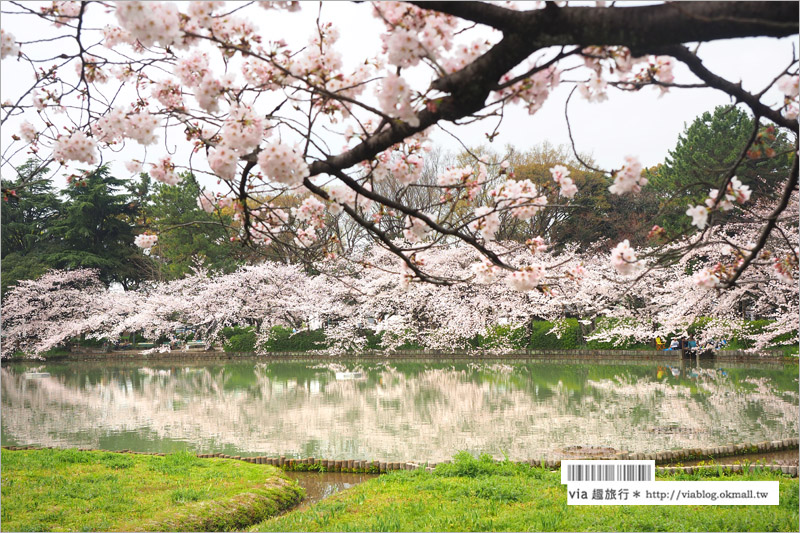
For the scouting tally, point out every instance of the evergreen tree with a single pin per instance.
(705, 152)
(30, 205)
(96, 230)
(187, 234)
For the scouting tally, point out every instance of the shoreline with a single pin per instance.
(764, 356)
(663, 458)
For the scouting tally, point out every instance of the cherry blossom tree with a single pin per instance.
(44, 313)
(356, 294)
(269, 120)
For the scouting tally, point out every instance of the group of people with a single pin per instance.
(682, 343)
(677, 343)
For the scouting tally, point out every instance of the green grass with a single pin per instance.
(479, 495)
(70, 490)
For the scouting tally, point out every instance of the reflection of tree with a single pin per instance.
(392, 415)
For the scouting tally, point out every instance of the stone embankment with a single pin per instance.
(671, 456)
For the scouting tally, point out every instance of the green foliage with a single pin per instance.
(96, 230)
(373, 340)
(282, 339)
(187, 234)
(705, 151)
(594, 216)
(540, 339)
(26, 217)
(239, 339)
(464, 464)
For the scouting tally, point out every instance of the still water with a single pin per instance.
(396, 411)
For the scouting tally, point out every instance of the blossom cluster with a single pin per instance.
(319, 61)
(150, 22)
(28, 131)
(223, 160)
(735, 192)
(788, 85)
(623, 259)
(487, 222)
(75, 147)
(404, 166)
(629, 178)
(522, 197)
(8, 45)
(283, 163)
(414, 33)
(243, 128)
(560, 175)
(452, 177)
(206, 203)
(706, 278)
(168, 93)
(526, 278)
(395, 99)
(311, 211)
(118, 124)
(784, 266)
(533, 90)
(485, 271)
(416, 230)
(164, 171)
(145, 240)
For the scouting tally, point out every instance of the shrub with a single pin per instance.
(541, 339)
(281, 339)
(239, 339)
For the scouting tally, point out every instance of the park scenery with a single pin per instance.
(384, 266)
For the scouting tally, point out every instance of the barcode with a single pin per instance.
(588, 471)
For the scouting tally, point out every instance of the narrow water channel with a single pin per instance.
(320, 485)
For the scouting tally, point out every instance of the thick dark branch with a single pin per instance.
(642, 29)
(684, 55)
(495, 16)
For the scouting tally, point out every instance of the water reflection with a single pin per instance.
(398, 411)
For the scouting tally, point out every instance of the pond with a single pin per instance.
(396, 410)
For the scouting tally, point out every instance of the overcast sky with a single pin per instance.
(643, 124)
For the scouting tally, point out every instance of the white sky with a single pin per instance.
(640, 124)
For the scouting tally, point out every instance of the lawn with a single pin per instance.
(479, 495)
(71, 490)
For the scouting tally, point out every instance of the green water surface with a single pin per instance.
(396, 410)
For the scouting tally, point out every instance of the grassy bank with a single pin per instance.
(70, 490)
(479, 495)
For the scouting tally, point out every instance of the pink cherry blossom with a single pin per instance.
(487, 222)
(75, 147)
(629, 178)
(788, 85)
(526, 278)
(28, 131)
(223, 161)
(145, 241)
(150, 22)
(623, 259)
(699, 215)
(8, 45)
(416, 230)
(164, 172)
(311, 211)
(705, 278)
(283, 163)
